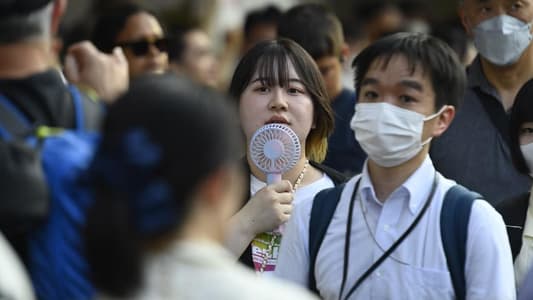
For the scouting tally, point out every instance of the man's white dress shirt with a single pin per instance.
(417, 268)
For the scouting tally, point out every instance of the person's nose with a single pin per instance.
(278, 101)
(153, 50)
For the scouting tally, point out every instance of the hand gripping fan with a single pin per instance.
(275, 149)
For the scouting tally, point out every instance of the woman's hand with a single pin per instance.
(269, 208)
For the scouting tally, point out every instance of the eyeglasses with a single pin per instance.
(142, 47)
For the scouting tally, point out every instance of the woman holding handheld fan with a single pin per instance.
(277, 82)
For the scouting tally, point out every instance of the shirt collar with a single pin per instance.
(415, 189)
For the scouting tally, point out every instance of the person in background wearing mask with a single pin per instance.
(408, 87)
(517, 212)
(136, 31)
(475, 150)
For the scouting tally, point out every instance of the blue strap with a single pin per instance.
(14, 122)
(454, 218)
(78, 107)
(324, 206)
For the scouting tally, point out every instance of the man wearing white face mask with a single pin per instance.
(386, 233)
(475, 149)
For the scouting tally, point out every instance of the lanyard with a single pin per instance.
(387, 253)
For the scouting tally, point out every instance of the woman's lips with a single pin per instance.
(277, 119)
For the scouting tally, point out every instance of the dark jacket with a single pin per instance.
(336, 177)
(514, 212)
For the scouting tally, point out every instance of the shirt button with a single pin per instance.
(386, 228)
(378, 274)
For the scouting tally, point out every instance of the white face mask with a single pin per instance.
(390, 135)
(502, 39)
(527, 152)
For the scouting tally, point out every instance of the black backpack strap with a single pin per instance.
(13, 123)
(335, 176)
(454, 218)
(324, 205)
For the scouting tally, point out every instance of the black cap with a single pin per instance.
(20, 7)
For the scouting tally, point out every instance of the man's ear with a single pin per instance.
(444, 120)
(60, 6)
(467, 24)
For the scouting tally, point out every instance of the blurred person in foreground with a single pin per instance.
(163, 198)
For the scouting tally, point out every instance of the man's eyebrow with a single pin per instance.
(406, 83)
(412, 84)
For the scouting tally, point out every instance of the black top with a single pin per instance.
(344, 152)
(336, 177)
(514, 212)
(44, 99)
(474, 151)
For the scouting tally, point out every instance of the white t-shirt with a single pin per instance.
(264, 241)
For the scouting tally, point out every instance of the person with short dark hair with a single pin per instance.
(516, 210)
(387, 221)
(191, 54)
(138, 33)
(475, 151)
(260, 25)
(277, 82)
(319, 32)
(163, 197)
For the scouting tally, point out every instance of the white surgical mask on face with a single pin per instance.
(502, 39)
(390, 135)
(527, 152)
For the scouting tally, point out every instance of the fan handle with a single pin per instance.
(273, 177)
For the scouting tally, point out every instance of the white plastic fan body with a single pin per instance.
(275, 149)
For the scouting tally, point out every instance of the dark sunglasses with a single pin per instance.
(141, 48)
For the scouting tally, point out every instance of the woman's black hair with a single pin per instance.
(160, 141)
(270, 60)
(110, 23)
(521, 113)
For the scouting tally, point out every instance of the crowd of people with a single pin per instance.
(127, 170)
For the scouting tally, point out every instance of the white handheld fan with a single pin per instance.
(275, 149)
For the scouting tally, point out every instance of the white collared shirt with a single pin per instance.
(417, 269)
(524, 259)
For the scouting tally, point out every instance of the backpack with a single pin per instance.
(56, 264)
(454, 218)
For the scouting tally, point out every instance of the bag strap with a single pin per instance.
(454, 218)
(77, 101)
(13, 122)
(497, 115)
(324, 205)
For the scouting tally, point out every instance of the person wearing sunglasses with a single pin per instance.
(139, 34)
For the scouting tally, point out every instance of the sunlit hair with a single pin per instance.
(270, 60)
